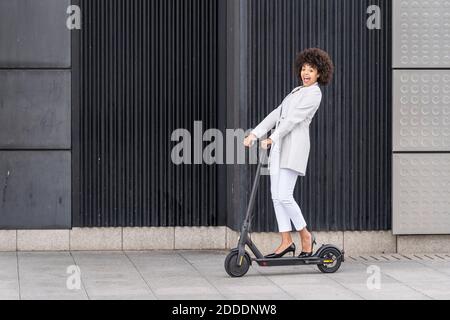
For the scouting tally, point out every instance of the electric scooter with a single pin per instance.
(328, 258)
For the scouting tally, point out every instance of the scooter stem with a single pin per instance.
(247, 222)
(254, 190)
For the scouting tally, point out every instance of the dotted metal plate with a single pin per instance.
(421, 33)
(421, 110)
(421, 193)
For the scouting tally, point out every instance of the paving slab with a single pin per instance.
(169, 275)
(44, 275)
(9, 278)
(111, 275)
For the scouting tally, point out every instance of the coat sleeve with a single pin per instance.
(307, 105)
(268, 123)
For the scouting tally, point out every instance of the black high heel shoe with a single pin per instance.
(308, 254)
(274, 255)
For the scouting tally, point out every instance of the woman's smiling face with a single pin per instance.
(309, 75)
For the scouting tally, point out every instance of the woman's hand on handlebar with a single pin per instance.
(265, 144)
(249, 140)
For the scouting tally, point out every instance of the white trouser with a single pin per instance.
(282, 184)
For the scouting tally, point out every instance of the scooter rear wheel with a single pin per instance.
(231, 265)
(334, 259)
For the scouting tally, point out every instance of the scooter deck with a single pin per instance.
(272, 262)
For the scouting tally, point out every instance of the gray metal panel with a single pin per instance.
(35, 189)
(35, 109)
(421, 193)
(421, 33)
(34, 33)
(421, 110)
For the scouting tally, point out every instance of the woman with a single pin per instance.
(291, 145)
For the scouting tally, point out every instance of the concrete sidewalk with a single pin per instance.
(201, 275)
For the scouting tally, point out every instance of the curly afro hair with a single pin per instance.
(318, 59)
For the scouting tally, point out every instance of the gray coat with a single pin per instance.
(291, 120)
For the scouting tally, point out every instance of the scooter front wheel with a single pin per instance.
(232, 267)
(332, 260)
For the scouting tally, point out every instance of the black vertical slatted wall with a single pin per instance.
(348, 183)
(141, 70)
(144, 68)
